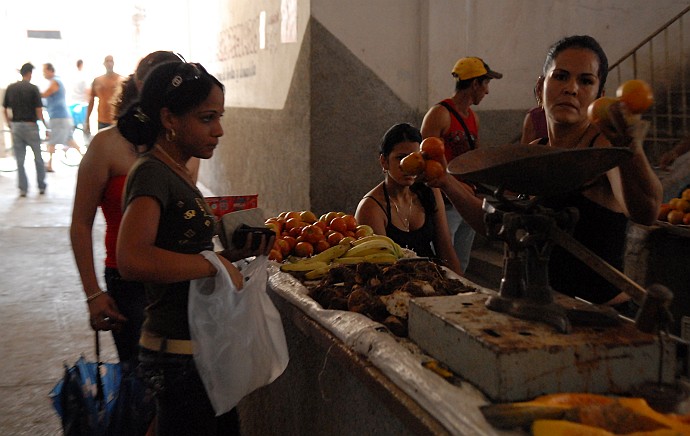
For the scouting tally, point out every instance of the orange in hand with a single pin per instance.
(432, 148)
(413, 164)
(598, 111)
(636, 94)
(434, 169)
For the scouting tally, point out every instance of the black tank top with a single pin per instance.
(602, 231)
(419, 240)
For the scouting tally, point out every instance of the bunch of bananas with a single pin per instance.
(377, 249)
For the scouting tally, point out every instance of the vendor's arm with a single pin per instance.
(442, 242)
(92, 179)
(463, 198)
(436, 122)
(139, 259)
(634, 183)
(370, 213)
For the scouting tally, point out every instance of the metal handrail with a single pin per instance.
(649, 38)
(658, 55)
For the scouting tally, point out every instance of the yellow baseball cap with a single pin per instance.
(469, 68)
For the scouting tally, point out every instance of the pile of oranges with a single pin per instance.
(428, 161)
(302, 234)
(677, 211)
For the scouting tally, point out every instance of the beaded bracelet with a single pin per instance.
(92, 297)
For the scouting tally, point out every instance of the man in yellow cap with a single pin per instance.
(454, 121)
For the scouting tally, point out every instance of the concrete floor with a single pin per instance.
(43, 316)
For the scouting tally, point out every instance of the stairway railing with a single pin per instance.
(662, 60)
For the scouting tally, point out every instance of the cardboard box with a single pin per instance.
(231, 203)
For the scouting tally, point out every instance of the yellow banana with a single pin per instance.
(303, 265)
(370, 247)
(329, 254)
(348, 260)
(318, 273)
(365, 239)
(382, 258)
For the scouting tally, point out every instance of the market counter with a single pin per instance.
(348, 375)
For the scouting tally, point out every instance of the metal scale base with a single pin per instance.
(511, 359)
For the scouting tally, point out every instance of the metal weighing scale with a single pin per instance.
(527, 340)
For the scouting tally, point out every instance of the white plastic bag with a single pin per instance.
(239, 342)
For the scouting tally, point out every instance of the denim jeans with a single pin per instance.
(182, 406)
(25, 134)
(461, 234)
(130, 298)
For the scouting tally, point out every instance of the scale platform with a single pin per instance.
(511, 359)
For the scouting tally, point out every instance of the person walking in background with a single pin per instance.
(60, 122)
(454, 121)
(104, 87)
(24, 100)
(165, 227)
(78, 100)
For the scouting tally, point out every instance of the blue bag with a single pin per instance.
(86, 397)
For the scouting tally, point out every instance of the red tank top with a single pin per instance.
(455, 139)
(111, 205)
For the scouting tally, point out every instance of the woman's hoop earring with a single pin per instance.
(170, 135)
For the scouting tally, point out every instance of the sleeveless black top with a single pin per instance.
(602, 231)
(420, 240)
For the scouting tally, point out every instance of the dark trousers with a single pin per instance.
(182, 406)
(130, 298)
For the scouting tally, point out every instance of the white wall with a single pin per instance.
(386, 34)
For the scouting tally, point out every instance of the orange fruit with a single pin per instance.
(292, 214)
(275, 255)
(673, 202)
(434, 169)
(334, 238)
(686, 219)
(413, 164)
(321, 246)
(663, 211)
(307, 216)
(363, 230)
(304, 249)
(433, 148)
(329, 216)
(312, 233)
(292, 223)
(683, 205)
(350, 221)
(636, 94)
(686, 194)
(283, 245)
(322, 225)
(675, 217)
(290, 240)
(338, 224)
(597, 112)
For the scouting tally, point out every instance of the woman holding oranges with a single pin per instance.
(574, 75)
(409, 212)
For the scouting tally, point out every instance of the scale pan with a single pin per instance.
(535, 169)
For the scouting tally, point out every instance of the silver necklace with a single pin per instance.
(405, 221)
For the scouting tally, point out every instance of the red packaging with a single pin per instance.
(231, 203)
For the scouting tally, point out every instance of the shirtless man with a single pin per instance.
(106, 88)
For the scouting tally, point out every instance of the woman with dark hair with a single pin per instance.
(165, 226)
(574, 75)
(417, 218)
(100, 182)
